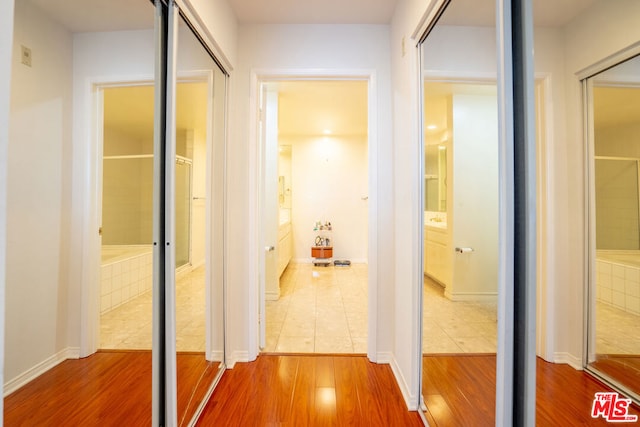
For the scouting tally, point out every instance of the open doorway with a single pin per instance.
(127, 216)
(315, 216)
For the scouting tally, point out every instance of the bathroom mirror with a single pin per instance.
(435, 177)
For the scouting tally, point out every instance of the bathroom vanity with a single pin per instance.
(437, 252)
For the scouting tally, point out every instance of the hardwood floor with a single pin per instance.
(114, 389)
(308, 390)
(621, 367)
(108, 388)
(460, 391)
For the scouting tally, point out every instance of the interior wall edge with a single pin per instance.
(6, 43)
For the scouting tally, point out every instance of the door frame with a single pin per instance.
(91, 169)
(256, 252)
(92, 214)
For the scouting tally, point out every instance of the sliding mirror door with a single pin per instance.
(199, 221)
(613, 102)
(78, 283)
(460, 186)
(82, 314)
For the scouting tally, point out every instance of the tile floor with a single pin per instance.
(456, 326)
(128, 326)
(616, 330)
(324, 309)
(321, 310)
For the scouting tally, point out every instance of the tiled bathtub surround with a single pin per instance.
(126, 273)
(618, 279)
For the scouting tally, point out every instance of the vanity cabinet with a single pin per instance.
(437, 254)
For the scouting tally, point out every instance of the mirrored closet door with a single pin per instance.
(613, 104)
(460, 229)
(127, 168)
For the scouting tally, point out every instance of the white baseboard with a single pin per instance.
(39, 369)
(384, 358)
(409, 398)
(569, 359)
(238, 356)
(472, 296)
(216, 356)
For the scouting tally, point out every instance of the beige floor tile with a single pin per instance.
(614, 330)
(128, 326)
(359, 344)
(333, 344)
(475, 345)
(295, 344)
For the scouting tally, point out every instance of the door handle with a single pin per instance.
(269, 248)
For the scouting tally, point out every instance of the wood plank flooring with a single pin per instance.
(621, 367)
(308, 390)
(114, 389)
(460, 391)
(108, 388)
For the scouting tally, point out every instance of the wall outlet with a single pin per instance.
(26, 56)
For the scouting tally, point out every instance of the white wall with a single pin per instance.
(304, 47)
(329, 179)
(221, 24)
(38, 194)
(602, 30)
(6, 44)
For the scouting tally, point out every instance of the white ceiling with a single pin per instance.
(313, 11)
(110, 15)
(100, 15)
(546, 13)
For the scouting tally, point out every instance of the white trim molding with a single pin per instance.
(39, 369)
(411, 399)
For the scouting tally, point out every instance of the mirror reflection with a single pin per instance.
(615, 304)
(87, 326)
(200, 100)
(460, 122)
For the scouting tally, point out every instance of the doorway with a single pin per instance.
(127, 217)
(315, 197)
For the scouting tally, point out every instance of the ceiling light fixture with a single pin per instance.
(432, 127)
